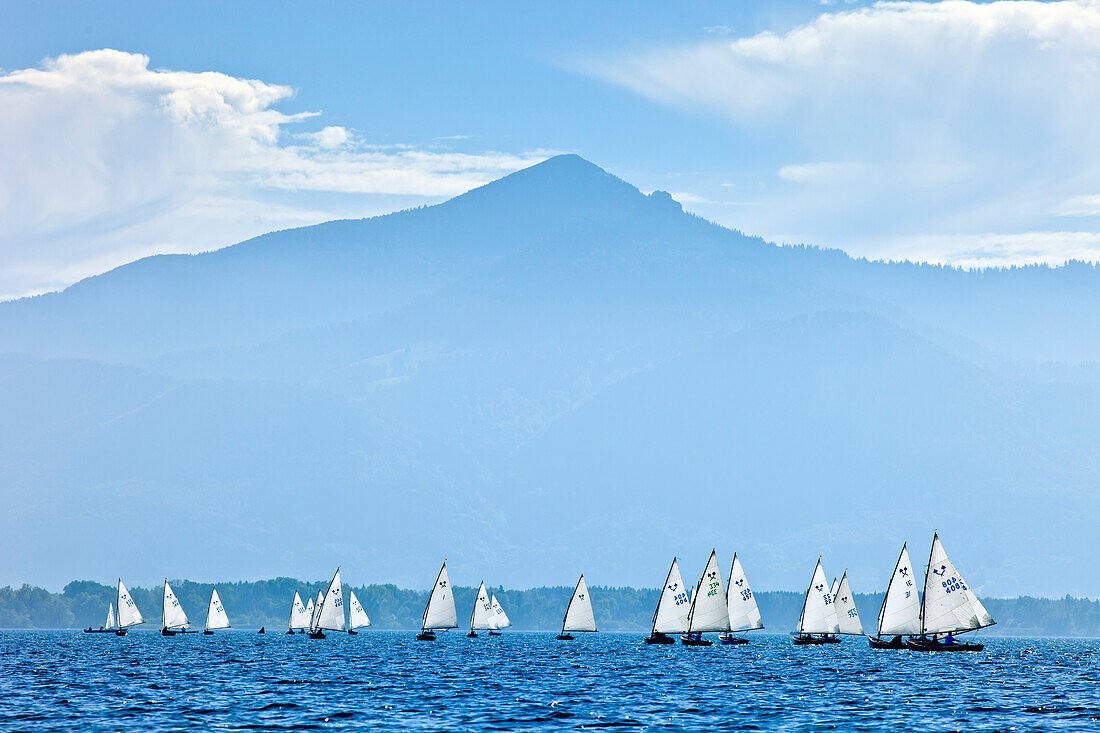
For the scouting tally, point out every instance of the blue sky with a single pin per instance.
(954, 132)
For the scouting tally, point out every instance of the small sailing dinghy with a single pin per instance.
(900, 612)
(299, 614)
(330, 611)
(126, 611)
(671, 614)
(216, 617)
(708, 610)
(500, 618)
(440, 612)
(578, 614)
(109, 627)
(818, 622)
(846, 612)
(741, 605)
(358, 618)
(481, 617)
(948, 607)
(173, 619)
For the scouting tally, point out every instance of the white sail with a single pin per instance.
(110, 616)
(216, 617)
(440, 612)
(671, 616)
(948, 604)
(818, 610)
(846, 612)
(482, 615)
(708, 606)
(316, 612)
(740, 602)
(311, 613)
(500, 618)
(331, 616)
(172, 614)
(127, 611)
(900, 612)
(834, 587)
(579, 615)
(358, 617)
(299, 613)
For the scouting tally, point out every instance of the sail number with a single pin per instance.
(952, 584)
(746, 594)
(681, 598)
(828, 598)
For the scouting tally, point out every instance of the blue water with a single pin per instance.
(528, 681)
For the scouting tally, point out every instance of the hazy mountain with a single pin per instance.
(549, 374)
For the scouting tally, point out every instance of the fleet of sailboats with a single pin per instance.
(578, 614)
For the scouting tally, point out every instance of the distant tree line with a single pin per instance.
(253, 604)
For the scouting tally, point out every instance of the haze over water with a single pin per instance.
(57, 681)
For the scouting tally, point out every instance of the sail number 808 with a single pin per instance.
(952, 584)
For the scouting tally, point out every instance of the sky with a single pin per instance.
(953, 132)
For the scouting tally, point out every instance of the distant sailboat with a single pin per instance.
(300, 615)
(481, 617)
(948, 607)
(173, 618)
(358, 618)
(126, 613)
(741, 605)
(846, 612)
(440, 612)
(900, 612)
(578, 614)
(216, 617)
(708, 610)
(671, 614)
(500, 618)
(107, 628)
(315, 609)
(818, 621)
(330, 611)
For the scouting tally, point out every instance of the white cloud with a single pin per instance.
(908, 119)
(103, 159)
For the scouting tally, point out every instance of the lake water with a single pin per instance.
(529, 681)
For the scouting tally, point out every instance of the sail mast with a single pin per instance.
(927, 572)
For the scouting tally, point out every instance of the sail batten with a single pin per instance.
(709, 611)
(216, 617)
(439, 613)
(578, 614)
(900, 611)
(818, 611)
(740, 601)
(671, 614)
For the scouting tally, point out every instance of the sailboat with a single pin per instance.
(107, 628)
(670, 616)
(578, 614)
(315, 608)
(330, 611)
(818, 620)
(481, 617)
(741, 605)
(900, 612)
(500, 618)
(173, 618)
(357, 616)
(127, 613)
(216, 617)
(300, 615)
(440, 612)
(948, 607)
(847, 614)
(708, 610)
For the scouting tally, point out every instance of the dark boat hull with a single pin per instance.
(565, 637)
(353, 632)
(815, 640)
(317, 635)
(918, 645)
(426, 636)
(494, 633)
(693, 641)
(731, 640)
(90, 630)
(876, 643)
(207, 632)
(659, 638)
(120, 632)
(290, 632)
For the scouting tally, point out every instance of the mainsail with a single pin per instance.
(900, 612)
(846, 612)
(740, 602)
(671, 614)
(818, 612)
(127, 611)
(110, 616)
(172, 614)
(358, 617)
(331, 615)
(481, 617)
(299, 614)
(948, 605)
(440, 612)
(708, 606)
(579, 616)
(500, 618)
(216, 617)
(316, 612)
